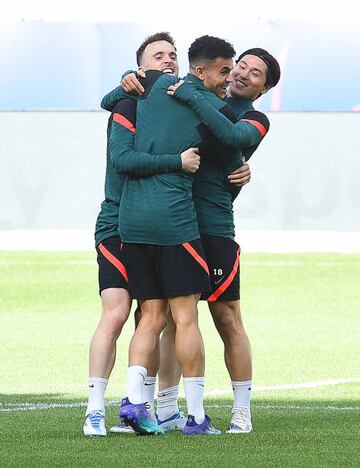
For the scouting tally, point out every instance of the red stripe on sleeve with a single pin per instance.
(197, 257)
(115, 261)
(120, 119)
(257, 124)
(223, 287)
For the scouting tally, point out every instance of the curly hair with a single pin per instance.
(209, 48)
(161, 36)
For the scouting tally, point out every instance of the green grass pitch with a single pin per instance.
(301, 312)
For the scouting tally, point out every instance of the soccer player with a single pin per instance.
(158, 52)
(255, 73)
(158, 226)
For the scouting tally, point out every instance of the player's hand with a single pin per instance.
(240, 176)
(172, 88)
(130, 83)
(190, 160)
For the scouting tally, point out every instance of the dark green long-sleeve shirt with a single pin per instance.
(120, 143)
(160, 209)
(212, 193)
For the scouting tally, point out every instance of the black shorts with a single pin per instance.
(165, 271)
(223, 258)
(110, 258)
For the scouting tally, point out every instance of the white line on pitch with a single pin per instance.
(292, 407)
(10, 407)
(14, 407)
(321, 383)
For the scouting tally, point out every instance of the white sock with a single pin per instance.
(194, 394)
(148, 395)
(167, 402)
(96, 387)
(135, 384)
(242, 394)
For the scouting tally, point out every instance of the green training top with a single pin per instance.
(160, 209)
(213, 194)
(120, 137)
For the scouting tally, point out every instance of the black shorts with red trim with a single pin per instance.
(110, 258)
(223, 258)
(166, 271)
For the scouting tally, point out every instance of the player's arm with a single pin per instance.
(110, 100)
(248, 131)
(135, 163)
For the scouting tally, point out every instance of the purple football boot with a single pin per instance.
(205, 428)
(138, 418)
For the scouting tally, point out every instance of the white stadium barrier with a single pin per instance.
(304, 194)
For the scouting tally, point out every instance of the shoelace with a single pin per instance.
(96, 418)
(241, 417)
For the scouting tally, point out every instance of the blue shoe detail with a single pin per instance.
(176, 422)
(204, 428)
(95, 424)
(138, 418)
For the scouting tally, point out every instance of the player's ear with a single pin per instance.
(141, 72)
(200, 72)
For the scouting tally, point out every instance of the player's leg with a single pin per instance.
(169, 370)
(116, 305)
(184, 273)
(149, 384)
(168, 413)
(223, 256)
(150, 381)
(237, 350)
(238, 359)
(169, 416)
(141, 267)
(141, 352)
(190, 354)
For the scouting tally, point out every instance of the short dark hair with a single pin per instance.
(160, 36)
(273, 68)
(209, 48)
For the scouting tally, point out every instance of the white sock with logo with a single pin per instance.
(96, 387)
(194, 394)
(135, 384)
(242, 394)
(149, 392)
(167, 402)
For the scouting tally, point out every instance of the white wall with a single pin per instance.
(305, 175)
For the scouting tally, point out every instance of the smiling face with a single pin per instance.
(160, 55)
(215, 75)
(249, 78)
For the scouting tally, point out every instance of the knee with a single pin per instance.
(113, 319)
(152, 321)
(228, 321)
(185, 320)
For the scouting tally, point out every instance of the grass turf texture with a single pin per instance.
(300, 311)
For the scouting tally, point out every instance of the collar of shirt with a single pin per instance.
(239, 106)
